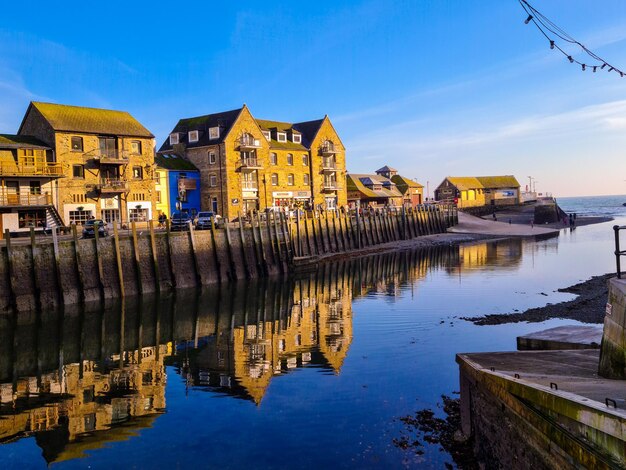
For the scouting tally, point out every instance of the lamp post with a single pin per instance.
(530, 184)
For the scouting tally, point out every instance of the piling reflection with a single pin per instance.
(78, 379)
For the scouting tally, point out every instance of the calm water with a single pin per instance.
(304, 373)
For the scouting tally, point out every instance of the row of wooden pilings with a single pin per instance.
(337, 231)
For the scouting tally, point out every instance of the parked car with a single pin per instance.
(180, 220)
(203, 222)
(89, 229)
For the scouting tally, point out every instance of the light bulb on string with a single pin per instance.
(584, 66)
(569, 57)
(551, 44)
(603, 65)
(594, 68)
(530, 17)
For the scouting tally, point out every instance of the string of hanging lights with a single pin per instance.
(553, 33)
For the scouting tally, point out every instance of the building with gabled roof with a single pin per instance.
(476, 191)
(251, 164)
(106, 157)
(385, 187)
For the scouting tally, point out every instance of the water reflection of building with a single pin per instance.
(268, 331)
(506, 254)
(80, 404)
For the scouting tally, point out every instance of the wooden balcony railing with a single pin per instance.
(249, 185)
(26, 199)
(109, 157)
(113, 186)
(50, 170)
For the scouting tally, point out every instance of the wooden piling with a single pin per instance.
(11, 271)
(244, 259)
(255, 246)
(118, 259)
(262, 246)
(229, 246)
(216, 259)
(33, 269)
(298, 246)
(278, 247)
(170, 261)
(96, 241)
(308, 237)
(138, 276)
(78, 265)
(57, 264)
(155, 258)
(194, 253)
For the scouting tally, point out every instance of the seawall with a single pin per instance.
(65, 271)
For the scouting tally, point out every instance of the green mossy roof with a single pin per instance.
(403, 182)
(170, 161)
(483, 182)
(20, 141)
(91, 120)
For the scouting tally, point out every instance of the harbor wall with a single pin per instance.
(613, 348)
(517, 425)
(43, 274)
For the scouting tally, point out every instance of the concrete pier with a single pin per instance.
(562, 337)
(470, 224)
(543, 409)
(613, 355)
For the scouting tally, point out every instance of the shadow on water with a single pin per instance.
(83, 377)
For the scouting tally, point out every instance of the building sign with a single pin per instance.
(187, 184)
(302, 194)
(504, 193)
(282, 194)
(234, 201)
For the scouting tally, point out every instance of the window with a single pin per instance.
(32, 218)
(273, 159)
(212, 180)
(306, 179)
(135, 147)
(281, 136)
(78, 171)
(305, 159)
(138, 197)
(267, 135)
(212, 158)
(35, 187)
(158, 177)
(77, 144)
(138, 215)
(174, 138)
(137, 172)
(78, 197)
(194, 136)
(290, 179)
(297, 138)
(274, 179)
(214, 133)
(79, 217)
(90, 422)
(289, 159)
(158, 194)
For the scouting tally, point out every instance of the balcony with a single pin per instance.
(248, 143)
(328, 150)
(329, 165)
(47, 170)
(249, 163)
(110, 186)
(330, 185)
(109, 157)
(250, 185)
(25, 199)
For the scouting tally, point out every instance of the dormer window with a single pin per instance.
(268, 135)
(214, 133)
(281, 136)
(174, 138)
(194, 136)
(297, 138)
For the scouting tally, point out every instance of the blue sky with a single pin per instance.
(430, 87)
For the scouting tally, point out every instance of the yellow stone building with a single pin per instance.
(477, 191)
(106, 157)
(252, 164)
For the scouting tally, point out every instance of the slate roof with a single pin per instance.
(10, 141)
(309, 130)
(169, 161)
(223, 120)
(483, 182)
(358, 182)
(286, 127)
(90, 120)
(386, 169)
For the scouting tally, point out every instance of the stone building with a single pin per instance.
(477, 191)
(249, 164)
(29, 180)
(106, 158)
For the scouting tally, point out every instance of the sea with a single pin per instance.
(315, 371)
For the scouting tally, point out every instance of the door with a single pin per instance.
(108, 146)
(12, 192)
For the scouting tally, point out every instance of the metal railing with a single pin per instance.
(109, 185)
(249, 162)
(249, 185)
(47, 169)
(618, 252)
(25, 199)
(249, 142)
(329, 164)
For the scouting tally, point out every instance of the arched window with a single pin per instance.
(289, 159)
(305, 159)
(290, 179)
(306, 179)
(274, 179)
(273, 158)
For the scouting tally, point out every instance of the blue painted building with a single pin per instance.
(177, 184)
